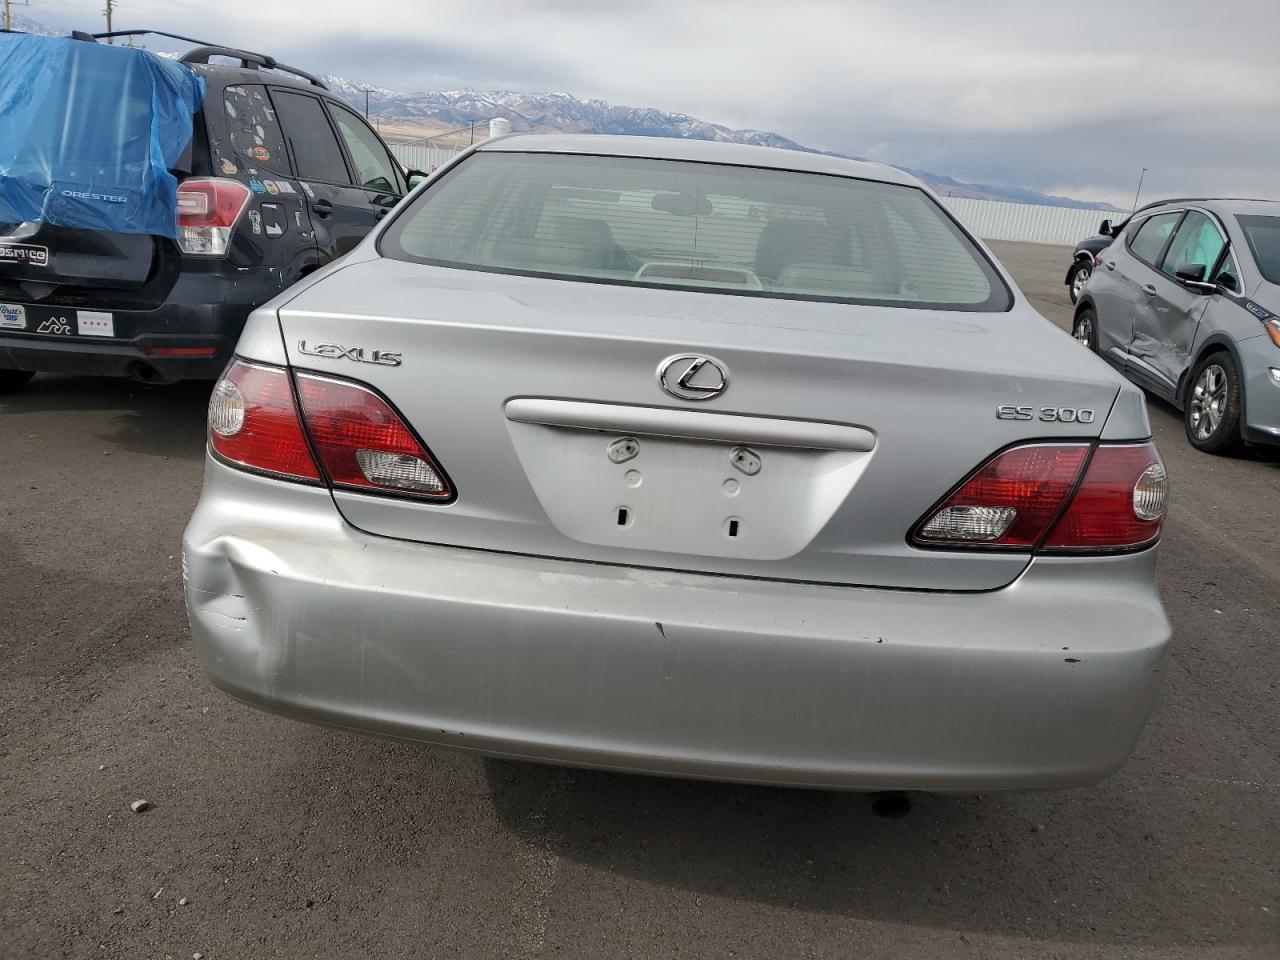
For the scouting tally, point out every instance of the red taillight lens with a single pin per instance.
(1028, 497)
(363, 443)
(253, 422)
(1120, 504)
(207, 212)
(1008, 502)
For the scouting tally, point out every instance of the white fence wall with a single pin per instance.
(1032, 222)
(418, 156)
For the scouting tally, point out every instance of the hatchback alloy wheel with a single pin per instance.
(1083, 331)
(1208, 401)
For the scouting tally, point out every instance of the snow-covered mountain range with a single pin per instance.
(563, 112)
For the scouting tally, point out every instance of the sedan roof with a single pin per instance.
(698, 151)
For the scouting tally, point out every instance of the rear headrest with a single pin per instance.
(784, 242)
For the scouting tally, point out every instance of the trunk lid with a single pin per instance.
(840, 426)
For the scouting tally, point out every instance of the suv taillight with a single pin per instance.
(207, 213)
(1055, 497)
(359, 441)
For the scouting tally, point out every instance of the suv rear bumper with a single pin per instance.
(195, 316)
(670, 673)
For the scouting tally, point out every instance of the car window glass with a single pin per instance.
(253, 129)
(1149, 240)
(1197, 241)
(316, 153)
(709, 227)
(1263, 236)
(374, 170)
(1228, 274)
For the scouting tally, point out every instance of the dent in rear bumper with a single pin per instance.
(1046, 682)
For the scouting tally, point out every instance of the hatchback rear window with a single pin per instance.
(1263, 235)
(253, 128)
(698, 226)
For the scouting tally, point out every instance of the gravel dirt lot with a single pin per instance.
(269, 838)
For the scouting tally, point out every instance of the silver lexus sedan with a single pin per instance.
(684, 458)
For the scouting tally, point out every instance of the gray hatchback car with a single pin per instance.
(684, 458)
(1187, 305)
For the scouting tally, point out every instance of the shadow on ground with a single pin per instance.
(158, 420)
(1063, 866)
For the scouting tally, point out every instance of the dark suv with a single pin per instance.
(279, 176)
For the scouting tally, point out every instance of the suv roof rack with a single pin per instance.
(204, 50)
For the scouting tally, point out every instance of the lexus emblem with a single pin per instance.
(689, 376)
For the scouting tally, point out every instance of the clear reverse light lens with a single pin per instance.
(400, 470)
(970, 523)
(226, 409)
(1151, 493)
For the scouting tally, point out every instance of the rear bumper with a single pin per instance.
(204, 311)
(1047, 682)
(117, 358)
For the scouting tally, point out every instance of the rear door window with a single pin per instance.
(316, 153)
(253, 130)
(374, 167)
(1151, 236)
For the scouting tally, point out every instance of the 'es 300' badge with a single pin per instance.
(1047, 414)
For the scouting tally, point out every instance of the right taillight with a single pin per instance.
(208, 209)
(1055, 497)
(1120, 504)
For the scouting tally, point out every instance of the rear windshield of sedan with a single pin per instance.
(1263, 234)
(696, 226)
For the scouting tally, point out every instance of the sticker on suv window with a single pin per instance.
(27, 253)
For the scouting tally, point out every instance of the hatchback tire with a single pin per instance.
(14, 380)
(1077, 278)
(1212, 415)
(1085, 329)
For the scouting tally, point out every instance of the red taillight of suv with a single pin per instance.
(208, 209)
(1055, 497)
(343, 433)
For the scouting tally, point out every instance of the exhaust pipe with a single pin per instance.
(892, 804)
(141, 372)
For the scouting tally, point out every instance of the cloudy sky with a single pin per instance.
(1071, 97)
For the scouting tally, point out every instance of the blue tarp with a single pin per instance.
(88, 133)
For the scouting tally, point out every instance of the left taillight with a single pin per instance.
(258, 421)
(364, 445)
(254, 423)
(208, 210)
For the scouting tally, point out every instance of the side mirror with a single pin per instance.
(415, 177)
(1104, 229)
(1192, 275)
